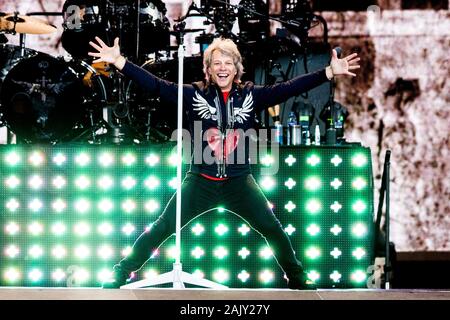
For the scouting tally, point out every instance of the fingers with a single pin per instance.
(97, 61)
(350, 57)
(95, 54)
(95, 46)
(354, 67)
(100, 41)
(351, 74)
(334, 53)
(116, 42)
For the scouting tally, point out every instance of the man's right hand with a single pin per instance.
(107, 54)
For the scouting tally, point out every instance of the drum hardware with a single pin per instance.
(14, 23)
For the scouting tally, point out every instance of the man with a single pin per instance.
(223, 108)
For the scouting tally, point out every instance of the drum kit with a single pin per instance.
(46, 99)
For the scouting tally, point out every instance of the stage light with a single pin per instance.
(152, 160)
(128, 183)
(152, 183)
(198, 229)
(151, 274)
(128, 229)
(336, 183)
(173, 160)
(220, 252)
(336, 253)
(267, 183)
(337, 208)
(59, 182)
(313, 229)
(198, 252)
(129, 159)
(336, 230)
(105, 228)
(12, 228)
(335, 276)
(82, 182)
(313, 275)
(82, 252)
(221, 276)
(243, 229)
(290, 183)
(82, 159)
(198, 274)
(173, 183)
(267, 160)
(81, 275)
(336, 160)
(359, 183)
(243, 276)
(12, 158)
(359, 230)
(172, 252)
(58, 228)
(359, 206)
(35, 182)
(82, 205)
(104, 275)
(290, 206)
(58, 275)
(35, 205)
(359, 160)
(265, 253)
(105, 205)
(59, 252)
(358, 253)
(59, 205)
(221, 229)
(312, 253)
(312, 183)
(129, 206)
(243, 253)
(106, 159)
(59, 159)
(358, 276)
(105, 252)
(266, 276)
(82, 229)
(313, 206)
(105, 182)
(35, 251)
(290, 160)
(290, 229)
(35, 275)
(12, 182)
(35, 228)
(12, 275)
(12, 251)
(151, 206)
(313, 160)
(36, 159)
(12, 205)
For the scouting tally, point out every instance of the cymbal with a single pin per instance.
(24, 24)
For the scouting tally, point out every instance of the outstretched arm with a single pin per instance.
(108, 54)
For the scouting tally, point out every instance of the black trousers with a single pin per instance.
(242, 195)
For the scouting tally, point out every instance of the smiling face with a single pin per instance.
(222, 70)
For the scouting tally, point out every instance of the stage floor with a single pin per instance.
(22, 293)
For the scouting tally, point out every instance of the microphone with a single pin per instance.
(338, 51)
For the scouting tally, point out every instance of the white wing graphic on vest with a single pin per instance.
(243, 113)
(204, 110)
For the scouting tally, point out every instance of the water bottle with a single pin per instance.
(317, 135)
(292, 121)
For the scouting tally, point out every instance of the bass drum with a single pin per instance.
(49, 100)
(151, 116)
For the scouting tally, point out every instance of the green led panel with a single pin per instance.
(70, 212)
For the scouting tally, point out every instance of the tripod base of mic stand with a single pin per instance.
(177, 277)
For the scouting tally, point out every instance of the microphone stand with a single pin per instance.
(177, 276)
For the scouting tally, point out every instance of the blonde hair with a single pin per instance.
(228, 48)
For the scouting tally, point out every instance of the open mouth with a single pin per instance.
(222, 76)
